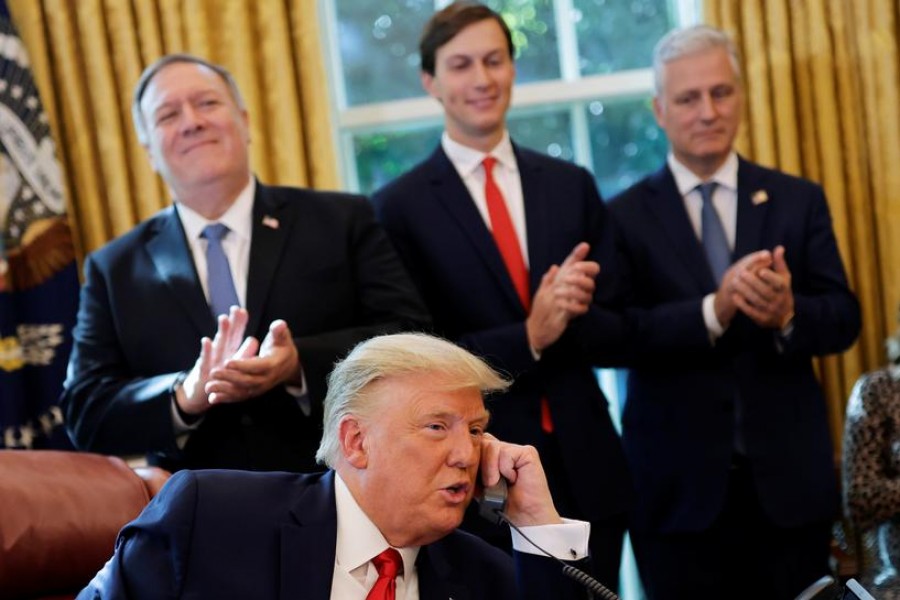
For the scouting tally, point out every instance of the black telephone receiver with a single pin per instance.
(492, 500)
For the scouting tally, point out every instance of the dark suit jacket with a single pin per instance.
(232, 534)
(451, 255)
(327, 269)
(679, 418)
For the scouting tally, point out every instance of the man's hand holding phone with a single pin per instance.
(529, 501)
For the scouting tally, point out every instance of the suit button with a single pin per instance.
(247, 421)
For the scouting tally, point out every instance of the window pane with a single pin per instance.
(533, 29)
(383, 156)
(549, 132)
(379, 48)
(626, 143)
(379, 45)
(614, 35)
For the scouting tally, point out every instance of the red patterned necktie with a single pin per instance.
(508, 243)
(389, 565)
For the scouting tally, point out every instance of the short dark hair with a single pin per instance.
(444, 25)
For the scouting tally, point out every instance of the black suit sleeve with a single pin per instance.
(108, 407)
(152, 552)
(827, 316)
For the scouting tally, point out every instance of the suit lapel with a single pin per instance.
(538, 207)
(174, 264)
(437, 579)
(308, 543)
(272, 223)
(453, 195)
(751, 214)
(667, 207)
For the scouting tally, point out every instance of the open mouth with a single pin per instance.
(458, 492)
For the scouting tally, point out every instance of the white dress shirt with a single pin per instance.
(724, 200)
(467, 162)
(359, 540)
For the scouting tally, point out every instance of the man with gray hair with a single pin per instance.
(270, 284)
(405, 438)
(736, 282)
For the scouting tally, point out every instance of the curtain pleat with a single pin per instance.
(88, 54)
(823, 90)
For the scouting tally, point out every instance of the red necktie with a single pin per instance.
(505, 234)
(389, 565)
(508, 243)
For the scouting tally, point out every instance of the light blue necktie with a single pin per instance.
(713, 234)
(222, 295)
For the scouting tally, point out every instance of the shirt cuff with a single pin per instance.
(713, 327)
(565, 541)
(182, 429)
(301, 393)
(783, 336)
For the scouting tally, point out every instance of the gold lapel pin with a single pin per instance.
(759, 197)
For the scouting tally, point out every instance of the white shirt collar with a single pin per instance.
(358, 538)
(467, 160)
(687, 181)
(238, 218)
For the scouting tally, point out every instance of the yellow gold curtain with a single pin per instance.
(88, 54)
(823, 102)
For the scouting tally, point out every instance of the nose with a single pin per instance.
(708, 108)
(191, 119)
(464, 450)
(482, 75)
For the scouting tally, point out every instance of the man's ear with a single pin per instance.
(153, 164)
(245, 120)
(658, 110)
(351, 437)
(428, 84)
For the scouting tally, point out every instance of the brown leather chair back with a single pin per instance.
(59, 516)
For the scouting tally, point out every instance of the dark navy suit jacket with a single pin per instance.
(679, 419)
(452, 257)
(327, 269)
(234, 534)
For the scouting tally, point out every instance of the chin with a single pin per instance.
(453, 521)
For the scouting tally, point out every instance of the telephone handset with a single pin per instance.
(492, 500)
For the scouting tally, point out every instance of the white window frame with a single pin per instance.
(571, 90)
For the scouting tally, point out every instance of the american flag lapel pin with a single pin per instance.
(759, 197)
(270, 222)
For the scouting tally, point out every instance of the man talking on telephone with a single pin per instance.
(404, 437)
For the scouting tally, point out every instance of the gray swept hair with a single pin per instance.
(679, 43)
(396, 355)
(140, 88)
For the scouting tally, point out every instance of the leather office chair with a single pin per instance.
(59, 516)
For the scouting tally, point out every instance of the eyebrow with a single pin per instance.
(192, 96)
(482, 418)
(474, 55)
